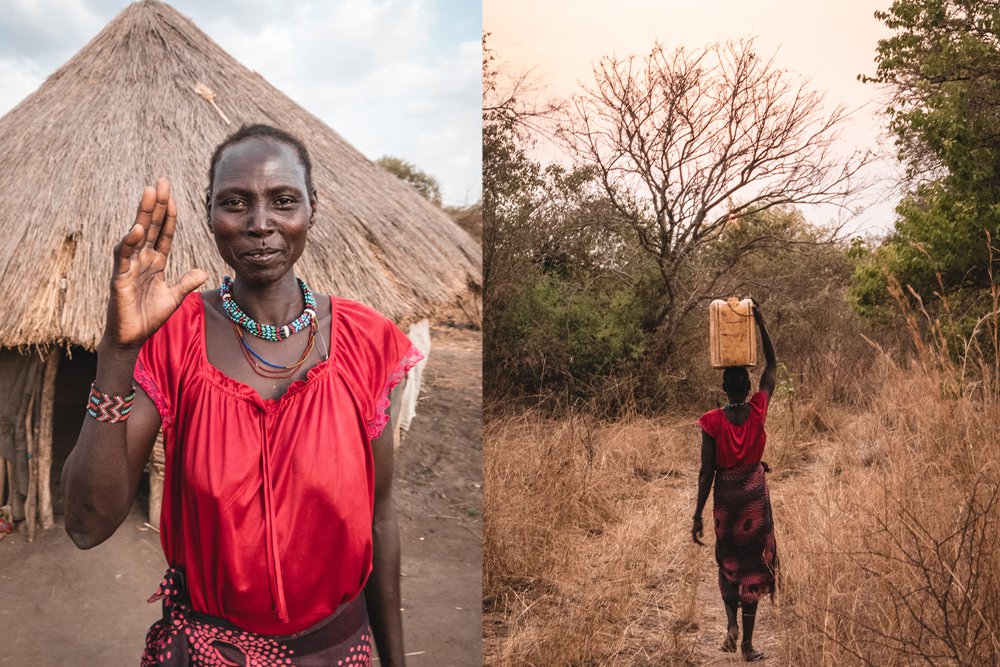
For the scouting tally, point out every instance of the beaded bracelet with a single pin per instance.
(109, 408)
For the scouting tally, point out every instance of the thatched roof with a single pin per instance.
(76, 153)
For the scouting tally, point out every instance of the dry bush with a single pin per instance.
(892, 543)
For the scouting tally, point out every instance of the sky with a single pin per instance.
(827, 44)
(393, 77)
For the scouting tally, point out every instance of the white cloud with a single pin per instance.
(36, 27)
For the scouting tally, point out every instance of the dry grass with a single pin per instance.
(572, 560)
(887, 529)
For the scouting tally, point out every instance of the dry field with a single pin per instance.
(886, 514)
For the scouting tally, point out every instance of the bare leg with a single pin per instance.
(733, 631)
(749, 618)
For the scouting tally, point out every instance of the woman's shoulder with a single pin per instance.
(708, 421)
(714, 412)
(760, 400)
(356, 320)
(353, 310)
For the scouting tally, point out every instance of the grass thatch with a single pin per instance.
(76, 153)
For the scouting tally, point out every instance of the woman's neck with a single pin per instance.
(275, 303)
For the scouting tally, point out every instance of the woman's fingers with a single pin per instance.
(147, 202)
(166, 236)
(155, 222)
(128, 247)
(156, 216)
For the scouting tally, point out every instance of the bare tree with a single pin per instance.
(512, 101)
(685, 142)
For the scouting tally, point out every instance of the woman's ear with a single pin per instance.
(208, 208)
(313, 204)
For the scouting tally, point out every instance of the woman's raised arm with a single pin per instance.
(769, 377)
(102, 472)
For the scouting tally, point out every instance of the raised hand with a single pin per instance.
(141, 300)
(757, 315)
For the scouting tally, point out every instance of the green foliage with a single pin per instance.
(409, 173)
(560, 337)
(941, 66)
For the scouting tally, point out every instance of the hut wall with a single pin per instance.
(20, 375)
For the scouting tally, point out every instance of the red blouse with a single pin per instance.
(738, 445)
(267, 504)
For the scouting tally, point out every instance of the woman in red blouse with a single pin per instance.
(277, 508)
(732, 443)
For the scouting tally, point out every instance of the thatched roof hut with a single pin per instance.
(152, 95)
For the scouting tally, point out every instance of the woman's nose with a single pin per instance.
(260, 223)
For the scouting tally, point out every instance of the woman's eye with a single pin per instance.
(284, 202)
(232, 203)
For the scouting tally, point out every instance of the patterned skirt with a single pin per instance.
(744, 535)
(184, 638)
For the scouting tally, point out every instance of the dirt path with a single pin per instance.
(711, 615)
(61, 606)
(711, 620)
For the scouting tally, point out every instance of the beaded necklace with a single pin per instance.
(735, 405)
(270, 370)
(268, 331)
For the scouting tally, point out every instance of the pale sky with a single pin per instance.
(827, 44)
(396, 77)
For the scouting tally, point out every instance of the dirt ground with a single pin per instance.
(61, 606)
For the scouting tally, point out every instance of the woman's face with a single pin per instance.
(260, 209)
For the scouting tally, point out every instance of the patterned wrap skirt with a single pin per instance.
(184, 638)
(745, 549)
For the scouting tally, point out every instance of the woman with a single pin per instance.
(277, 508)
(732, 443)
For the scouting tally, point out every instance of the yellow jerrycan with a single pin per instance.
(732, 334)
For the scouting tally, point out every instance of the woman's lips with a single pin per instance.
(261, 256)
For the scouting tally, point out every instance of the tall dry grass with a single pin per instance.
(886, 510)
(891, 541)
(579, 564)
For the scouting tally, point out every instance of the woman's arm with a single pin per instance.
(102, 472)
(705, 477)
(382, 592)
(769, 377)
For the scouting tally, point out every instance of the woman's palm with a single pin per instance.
(141, 300)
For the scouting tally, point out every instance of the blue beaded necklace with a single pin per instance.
(268, 331)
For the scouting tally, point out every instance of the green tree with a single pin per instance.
(409, 173)
(942, 68)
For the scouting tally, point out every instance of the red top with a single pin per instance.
(738, 445)
(267, 504)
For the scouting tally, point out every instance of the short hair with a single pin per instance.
(259, 131)
(736, 380)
